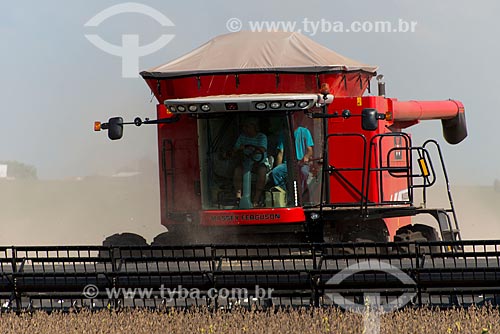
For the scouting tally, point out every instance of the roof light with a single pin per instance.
(290, 104)
(181, 108)
(260, 106)
(172, 108)
(231, 106)
(205, 107)
(303, 104)
(193, 108)
(275, 105)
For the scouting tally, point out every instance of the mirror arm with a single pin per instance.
(138, 121)
(345, 114)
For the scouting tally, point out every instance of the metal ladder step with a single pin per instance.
(448, 233)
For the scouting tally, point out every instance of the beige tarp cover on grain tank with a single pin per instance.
(256, 52)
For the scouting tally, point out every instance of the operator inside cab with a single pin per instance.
(304, 153)
(258, 160)
(251, 145)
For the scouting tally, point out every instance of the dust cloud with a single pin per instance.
(78, 212)
(477, 209)
(85, 212)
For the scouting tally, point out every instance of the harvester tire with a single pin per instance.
(367, 232)
(165, 239)
(123, 240)
(174, 238)
(417, 233)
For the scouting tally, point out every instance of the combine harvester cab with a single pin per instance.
(358, 182)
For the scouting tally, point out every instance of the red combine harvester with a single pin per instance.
(349, 172)
(278, 173)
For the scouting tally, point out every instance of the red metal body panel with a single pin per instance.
(346, 152)
(341, 84)
(179, 167)
(252, 217)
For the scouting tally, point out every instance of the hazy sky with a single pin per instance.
(55, 83)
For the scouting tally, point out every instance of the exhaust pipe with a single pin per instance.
(381, 85)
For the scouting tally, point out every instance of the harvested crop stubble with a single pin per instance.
(330, 320)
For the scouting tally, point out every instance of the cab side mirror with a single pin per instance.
(115, 128)
(370, 118)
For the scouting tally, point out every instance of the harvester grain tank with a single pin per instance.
(362, 175)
